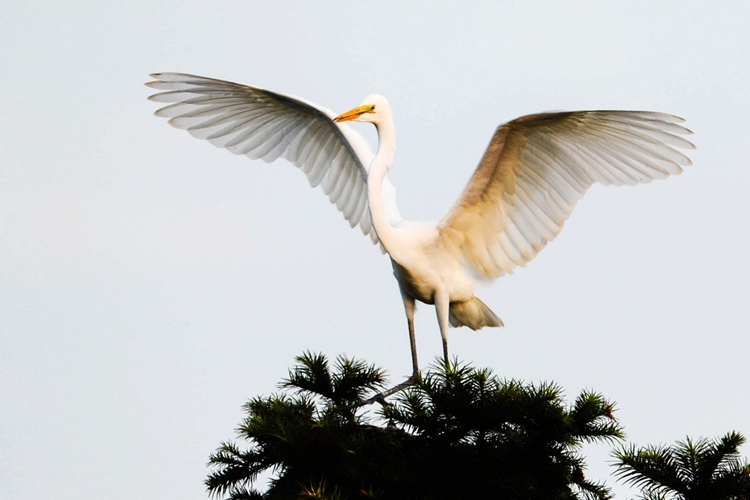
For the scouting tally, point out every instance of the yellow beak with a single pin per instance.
(353, 114)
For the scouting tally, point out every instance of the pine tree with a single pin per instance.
(688, 470)
(460, 433)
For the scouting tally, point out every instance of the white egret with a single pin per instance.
(526, 185)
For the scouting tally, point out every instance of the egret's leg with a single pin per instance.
(442, 307)
(410, 307)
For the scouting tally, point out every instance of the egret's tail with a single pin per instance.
(474, 314)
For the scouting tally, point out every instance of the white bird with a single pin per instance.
(534, 171)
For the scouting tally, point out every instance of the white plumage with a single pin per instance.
(265, 125)
(534, 171)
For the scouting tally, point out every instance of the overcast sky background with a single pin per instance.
(150, 283)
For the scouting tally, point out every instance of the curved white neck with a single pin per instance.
(378, 169)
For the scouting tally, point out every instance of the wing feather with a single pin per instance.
(261, 124)
(537, 167)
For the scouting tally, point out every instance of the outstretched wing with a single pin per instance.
(265, 125)
(537, 167)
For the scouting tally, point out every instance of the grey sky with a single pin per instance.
(151, 283)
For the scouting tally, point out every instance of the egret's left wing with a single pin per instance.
(261, 124)
(537, 167)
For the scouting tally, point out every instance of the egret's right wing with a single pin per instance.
(265, 125)
(537, 167)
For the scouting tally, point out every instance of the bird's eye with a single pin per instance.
(372, 109)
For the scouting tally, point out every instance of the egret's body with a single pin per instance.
(534, 171)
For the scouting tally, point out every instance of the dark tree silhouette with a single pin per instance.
(460, 433)
(688, 470)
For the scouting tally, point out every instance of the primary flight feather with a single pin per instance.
(534, 171)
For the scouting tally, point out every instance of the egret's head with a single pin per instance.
(374, 109)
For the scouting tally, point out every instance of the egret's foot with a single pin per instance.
(380, 397)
